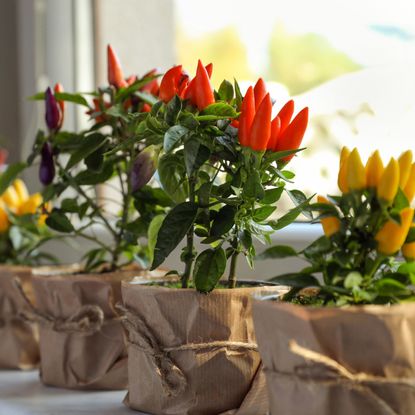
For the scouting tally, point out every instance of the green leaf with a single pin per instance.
(279, 155)
(209, 268)
(95, 160)
(317, 247)
(204, 194)
(277, 251)
(220, 109)
(173, 108)
(195, 155)
(173, 229)
(263, 213)
(87, 177)
(10, 174)
(173, 136)
(289, 217)
(353, 280)
(238, 94)
(401, 201)
(411, 235)
(272, 195)
(123, 93)
(224, 221)
(253, 187)
(226, 91)
(297, 280)
(90, 144)
(391, 287)
(58, 221)
(153, 231)
(70, 205)
(62, 96)
(172, 174)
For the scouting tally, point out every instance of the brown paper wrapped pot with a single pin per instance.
(81, 337)
(343, 361)
(192, 353)
(19, 348)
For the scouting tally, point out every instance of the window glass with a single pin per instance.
(352, 63)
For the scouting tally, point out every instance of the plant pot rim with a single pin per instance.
(97, 276)
(253, 285)
(349, 309)
(16, 268)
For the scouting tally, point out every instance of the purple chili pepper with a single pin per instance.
(144, 167)
(52, 114)
(47, 166)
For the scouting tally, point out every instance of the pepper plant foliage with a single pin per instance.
(365, 228)
(75, 166)
(224, 194)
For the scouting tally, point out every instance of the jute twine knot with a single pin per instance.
(141, 337)
(324, 370)
(172, 378)
(89, 319)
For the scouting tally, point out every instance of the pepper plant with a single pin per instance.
(222, 162)
(74, 167)
(365, 229)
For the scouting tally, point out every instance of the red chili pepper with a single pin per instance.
(99, 106)
(209, 69)
(58, 89)
(291, 137)
(115, 74)
(260, 90)
(153, 86)
(202, 93)
(275, 130)
(246, 117)
(286, 114)
(261, 126)
(131, 79)
(173, 81)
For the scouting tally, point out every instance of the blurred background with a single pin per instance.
(352, 63)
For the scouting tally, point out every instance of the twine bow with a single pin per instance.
(89, 319)
(172, 378)
(322, 369)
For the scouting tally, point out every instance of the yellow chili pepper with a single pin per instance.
(21, 190)
(408, 249)
(31, 205)
(4, 219)
(11, 198)
(405, 162)
(356, 174)
(374, 169)
(392, 235)
(409, 189)
(331, 224)
(389, 182)
(342, 178)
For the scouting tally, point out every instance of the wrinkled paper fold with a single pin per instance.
(19, 348)
(343, 361)
(194, 353)
(83, 358)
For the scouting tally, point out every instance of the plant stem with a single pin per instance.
(232, 270)
(190, 240)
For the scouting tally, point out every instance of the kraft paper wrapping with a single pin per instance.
(343, 361)
(192, 353)
(19, 348)
(80, 350)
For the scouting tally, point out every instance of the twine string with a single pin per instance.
(173, 380)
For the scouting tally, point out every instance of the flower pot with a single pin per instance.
(81, 337)
(19, 347)
(343, 361)
(192, 353)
